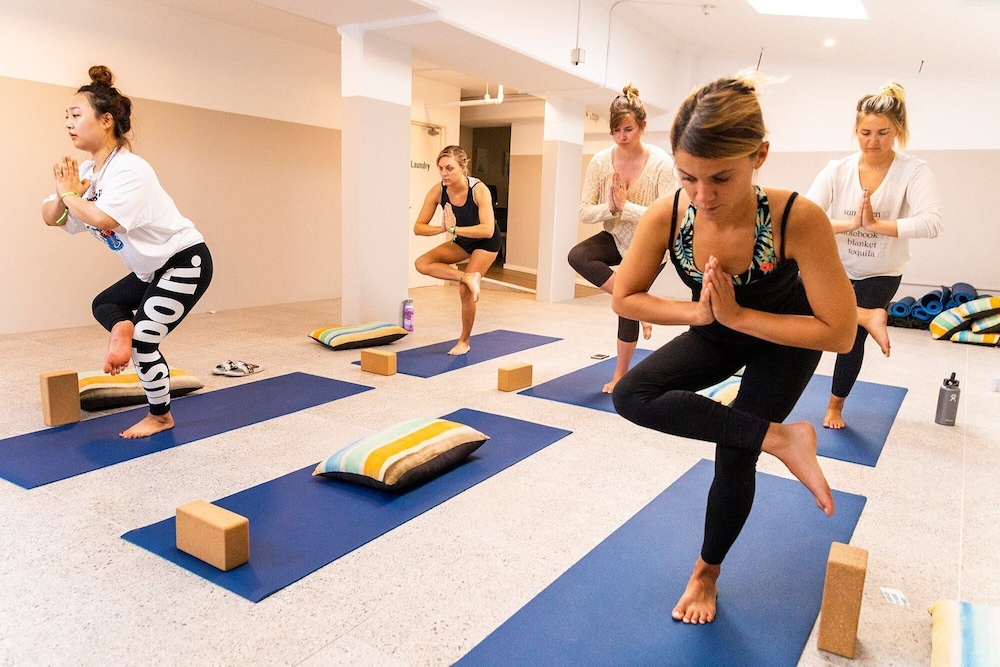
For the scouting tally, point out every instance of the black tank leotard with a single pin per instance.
(467, 215)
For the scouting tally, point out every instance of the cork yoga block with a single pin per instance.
(377, 361)
(514, 377)
(213, 534)
(842, 592)
(60, 397)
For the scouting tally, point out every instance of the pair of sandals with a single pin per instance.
(236, 369)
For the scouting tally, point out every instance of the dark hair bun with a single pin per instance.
(101, 75)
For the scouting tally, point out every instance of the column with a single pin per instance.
(375, 177)
(562, 164)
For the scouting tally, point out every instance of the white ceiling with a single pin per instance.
(952, 37)
(941, 38)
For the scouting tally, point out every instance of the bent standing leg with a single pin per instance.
(168, 299)
(658, 393)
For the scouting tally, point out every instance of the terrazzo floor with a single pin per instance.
(73, 592)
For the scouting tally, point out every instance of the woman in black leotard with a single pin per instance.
(474, 235)
(768, 293)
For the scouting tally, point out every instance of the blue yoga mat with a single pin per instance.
(869, 413)
(432, 360)
(583, 387)
(902, 307)
(613, 606)
(42, 457)
(299, 523)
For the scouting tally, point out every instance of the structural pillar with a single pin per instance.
(562, 164)
(375, 176)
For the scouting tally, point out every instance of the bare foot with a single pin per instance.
(834, 417)
(460, 348)
(697, 604)
(874, 321)
(795, 446)
(471, 280)
(149, 425)
(119, 348)
(610, 387)
(647, 330)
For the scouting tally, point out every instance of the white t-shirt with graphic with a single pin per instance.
(150, 228)
(906, 195)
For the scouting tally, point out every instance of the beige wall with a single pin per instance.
(265, 193)
(968, 248)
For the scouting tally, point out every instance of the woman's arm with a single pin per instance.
(923, 203)
(70, 189)
(639, 269)
(484, 201)
(833, 325)
(422, 226)
(594, 204)
(821, 192)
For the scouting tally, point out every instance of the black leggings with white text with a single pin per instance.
(156, 308)
(659, 393)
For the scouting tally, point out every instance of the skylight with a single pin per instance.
(829, 9)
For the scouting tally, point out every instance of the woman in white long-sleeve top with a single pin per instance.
(622, 181)
(877, 200)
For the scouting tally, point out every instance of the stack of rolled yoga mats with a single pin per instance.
(958, 313)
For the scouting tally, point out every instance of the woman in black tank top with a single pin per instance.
(473, 235)
(767, 296)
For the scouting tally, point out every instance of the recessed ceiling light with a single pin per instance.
(829, 42)
(831, 9)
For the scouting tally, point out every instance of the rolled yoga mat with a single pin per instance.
(432, 360)
(869, 413)
(613, 606)
(299, 523)
(933, 302)
(42, 457)
(902, 307)
(962, 293)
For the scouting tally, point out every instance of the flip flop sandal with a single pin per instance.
(242, 368)
(224, 368)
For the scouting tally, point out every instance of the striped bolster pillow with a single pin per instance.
(403, 455)
(100, 391)
(368, 334)
(964, 634)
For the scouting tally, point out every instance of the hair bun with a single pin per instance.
(101, 75)
(630, 91)
(893, 89)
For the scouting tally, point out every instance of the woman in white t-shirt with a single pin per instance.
(877, 199)
(117, 198)
(622, 181)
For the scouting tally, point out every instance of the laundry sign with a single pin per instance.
(425, 166)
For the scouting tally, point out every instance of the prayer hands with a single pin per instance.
(867, 214)
(67, 175)
(618, 194)
(448, 220)
(722, 296)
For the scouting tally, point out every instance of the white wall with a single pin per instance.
(163, 54)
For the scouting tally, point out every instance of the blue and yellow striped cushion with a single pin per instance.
(368, 334)
(964, 634)
(100, 391)
(404, 454)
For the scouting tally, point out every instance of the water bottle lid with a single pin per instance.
(951, 382)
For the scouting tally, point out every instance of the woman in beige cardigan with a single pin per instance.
(622, 181)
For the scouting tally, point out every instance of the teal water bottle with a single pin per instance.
(947, 407)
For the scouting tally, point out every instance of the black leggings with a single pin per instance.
(659, 393)
(158, 307)
(593, 258)
(874, 292)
